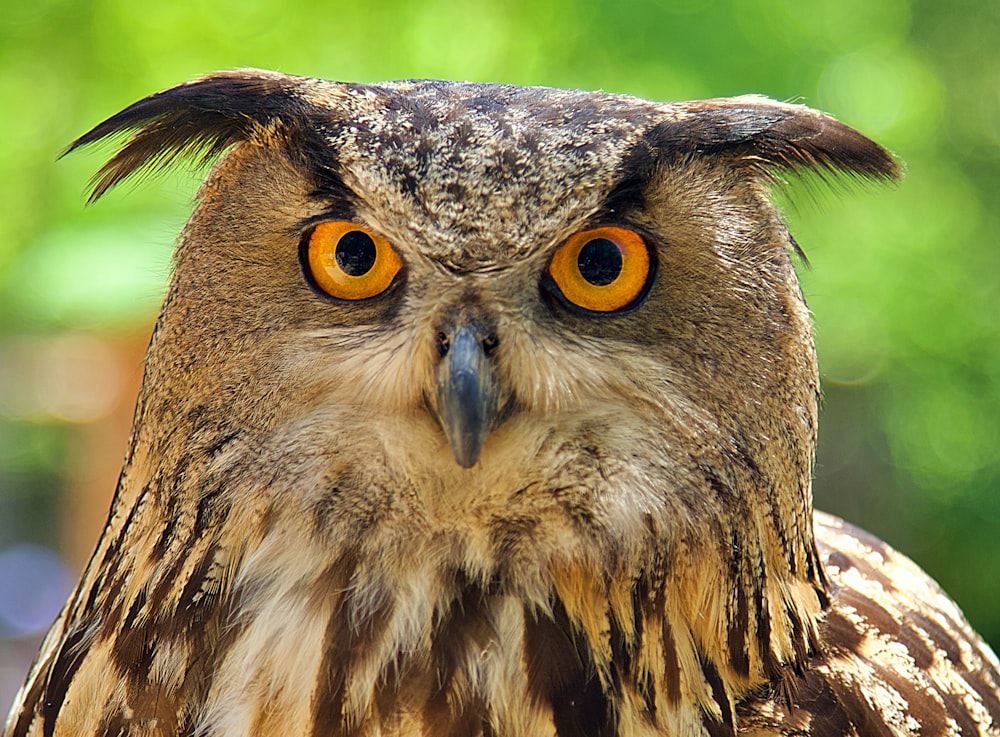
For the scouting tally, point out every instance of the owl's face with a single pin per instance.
(486, 225)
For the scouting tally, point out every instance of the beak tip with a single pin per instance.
(466, 449)
(466, 400)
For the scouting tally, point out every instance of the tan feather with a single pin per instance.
(300, 543)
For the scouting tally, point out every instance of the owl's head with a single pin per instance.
(483, 288)
(466, 268)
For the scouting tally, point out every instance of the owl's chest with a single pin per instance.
(421, 655)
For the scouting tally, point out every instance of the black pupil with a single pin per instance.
(356, 253)
(600, 262)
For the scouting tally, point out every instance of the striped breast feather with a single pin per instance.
(898, 657)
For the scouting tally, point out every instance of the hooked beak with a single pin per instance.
(466, 392)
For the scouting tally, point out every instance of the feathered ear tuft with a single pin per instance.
(199, 119)
(774, 136)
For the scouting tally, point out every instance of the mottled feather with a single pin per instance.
(293, 547)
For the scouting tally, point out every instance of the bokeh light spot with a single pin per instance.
(34, 584)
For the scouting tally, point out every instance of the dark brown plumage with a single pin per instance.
(488, 410)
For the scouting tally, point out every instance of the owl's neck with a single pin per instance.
(399, 633)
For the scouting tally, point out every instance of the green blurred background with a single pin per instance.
(904, 281)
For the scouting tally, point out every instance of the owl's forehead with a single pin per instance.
(478, 168)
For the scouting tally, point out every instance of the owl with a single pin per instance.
(488, 411)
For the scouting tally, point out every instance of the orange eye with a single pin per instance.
(602, 270)
(349, 261)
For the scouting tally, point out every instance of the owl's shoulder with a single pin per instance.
(897, 658)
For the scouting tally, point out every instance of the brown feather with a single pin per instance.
(293, 548)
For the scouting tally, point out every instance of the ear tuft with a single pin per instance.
(199, 119)
(774, 136)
